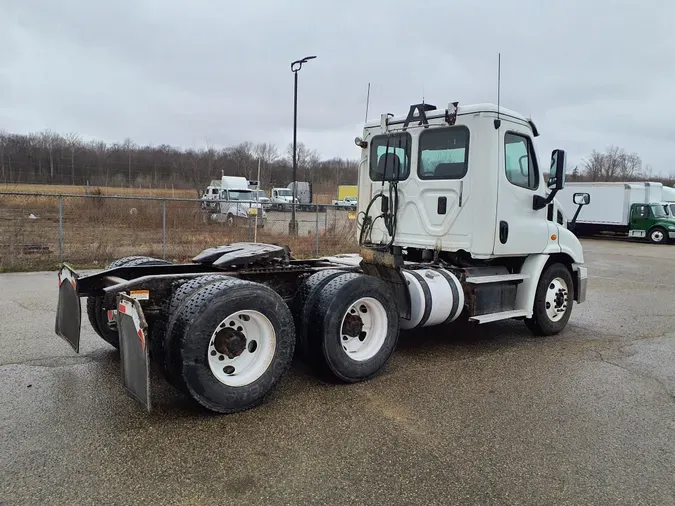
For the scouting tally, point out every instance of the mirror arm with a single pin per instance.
(572, 224)
(539, 202)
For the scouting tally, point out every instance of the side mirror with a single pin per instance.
(581, 199)
(556, 178)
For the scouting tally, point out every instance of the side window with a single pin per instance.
(521, 165)
(390, 157)
(444, 153)
(641, 212)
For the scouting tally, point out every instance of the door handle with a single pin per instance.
(503, 232)
(442, 205)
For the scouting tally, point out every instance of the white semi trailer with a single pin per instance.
(455, 221)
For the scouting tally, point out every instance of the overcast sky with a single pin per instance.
(590, 73)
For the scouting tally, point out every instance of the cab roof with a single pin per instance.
(461, 111)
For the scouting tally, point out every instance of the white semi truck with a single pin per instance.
(233, 201)
(455, 222)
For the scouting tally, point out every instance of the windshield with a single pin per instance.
(241, 195)
(659, 211)
(284, 193)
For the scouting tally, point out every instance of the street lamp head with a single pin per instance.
(297, 65)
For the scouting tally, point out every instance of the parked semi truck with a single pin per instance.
(454, 223)
(631, 209)
(282, 198)
(233, 201)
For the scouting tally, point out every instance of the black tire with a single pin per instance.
(541, 324)
(303, 304)
(162, 334)
(658, 235)
(96, 311)
(200, 316)
(328, 312)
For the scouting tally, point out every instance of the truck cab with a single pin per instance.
(461, 185)
(654, 221)
(464, 187)
(282, 198)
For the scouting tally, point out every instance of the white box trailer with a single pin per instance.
(636, 209)
(610, 201)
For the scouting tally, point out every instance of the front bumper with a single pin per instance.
(580, 283)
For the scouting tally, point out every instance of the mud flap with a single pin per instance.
(134, 358)
(68, 309)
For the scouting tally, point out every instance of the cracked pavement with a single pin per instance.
(461, 415)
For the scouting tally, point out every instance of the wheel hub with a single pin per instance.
(241, 348)
(353, 325)
(230, 342)
(556, 299)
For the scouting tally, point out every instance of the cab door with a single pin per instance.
(519, 229)
(640, 220)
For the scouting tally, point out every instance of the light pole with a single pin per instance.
(295, 68)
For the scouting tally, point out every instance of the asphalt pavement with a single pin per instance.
(461, 415)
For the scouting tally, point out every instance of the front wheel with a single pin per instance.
(658, 235)
(552, 301)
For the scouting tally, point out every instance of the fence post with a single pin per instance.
(317, 230)
(164, 229)
(60, 228)
(250, 230)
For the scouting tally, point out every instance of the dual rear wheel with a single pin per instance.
(228, 341)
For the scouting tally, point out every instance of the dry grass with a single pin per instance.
(97, 231)
(81, 190)
(319, 198)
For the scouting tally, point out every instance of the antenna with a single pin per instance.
(367, 102)
(498, 122)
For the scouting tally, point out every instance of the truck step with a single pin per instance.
(497, 278)
(493, 317)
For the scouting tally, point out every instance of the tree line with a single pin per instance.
(616, 164)
(51, 158)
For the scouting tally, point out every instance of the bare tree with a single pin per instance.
(242, 159)
(74, 144)
(129, 146)
(613, 165)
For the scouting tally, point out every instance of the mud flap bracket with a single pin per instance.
(134, 357)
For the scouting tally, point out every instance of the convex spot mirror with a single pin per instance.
(581, 199)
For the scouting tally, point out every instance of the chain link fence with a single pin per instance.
(37, 231)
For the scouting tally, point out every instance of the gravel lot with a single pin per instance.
(461, 415)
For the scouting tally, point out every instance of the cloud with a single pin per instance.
(590, 74)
